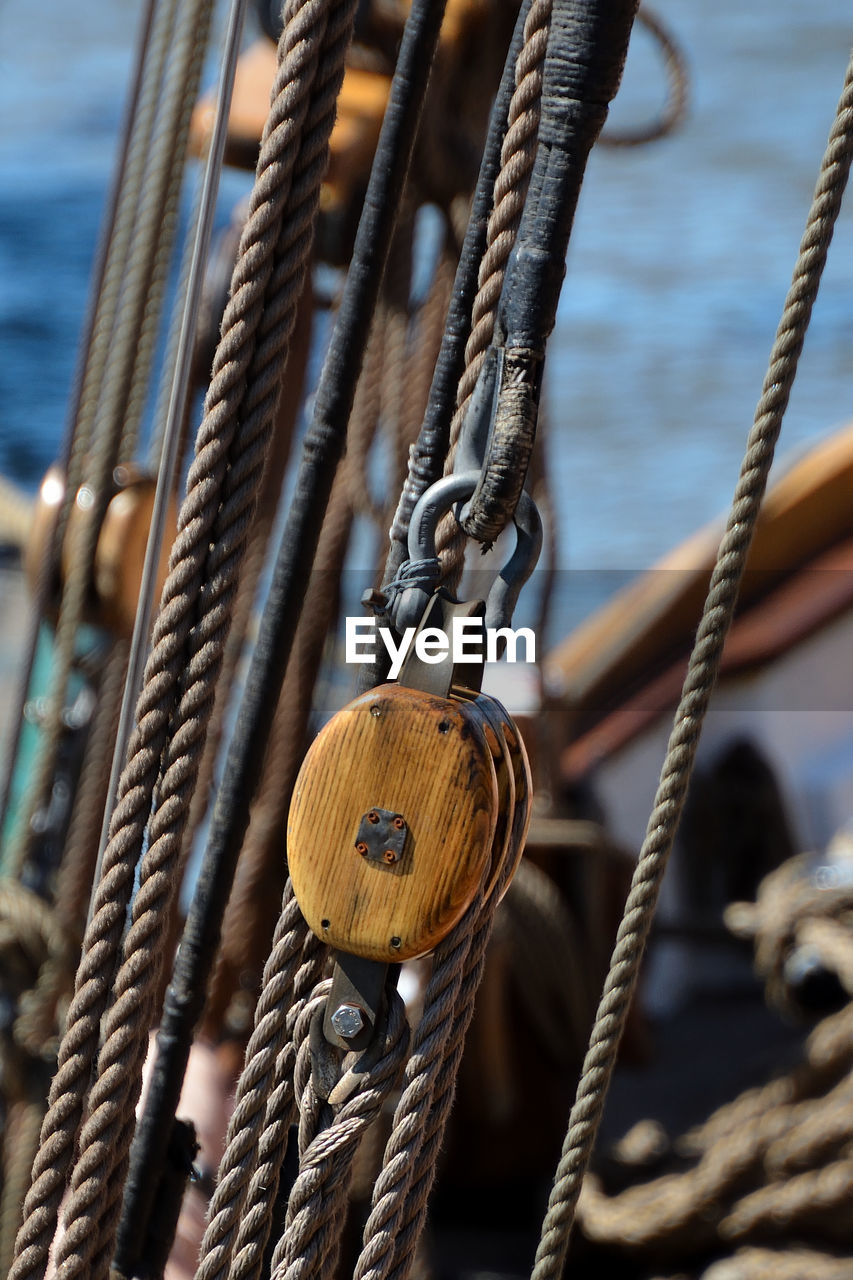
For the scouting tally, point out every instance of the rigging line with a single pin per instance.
(698, 685)
(518, 157)
(222, 481)
(409, 1166)
(174, 417)
(322, 448)
(302, 105)
(48, 567)
(427, 454)
(586, 56)
(675, 108)
(166, 201)
(261, 872)
(264, 1105)
(95, 444)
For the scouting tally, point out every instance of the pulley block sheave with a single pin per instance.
(408, 801)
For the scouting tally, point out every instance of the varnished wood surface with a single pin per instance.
(420, 756)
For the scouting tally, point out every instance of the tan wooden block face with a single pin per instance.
(416, 755)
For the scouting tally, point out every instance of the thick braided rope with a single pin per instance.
(402, 1190)
(817, 1202)
(105, 1138)
(751, 1152)
(309, 1248)
(291, 973)
(517, 158)
(699, 682)
(265, 1106)
(382, 1246)
(166, 666)
(425, 1165)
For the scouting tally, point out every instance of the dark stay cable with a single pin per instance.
(586, 54)
(322, 449)
(428, 452)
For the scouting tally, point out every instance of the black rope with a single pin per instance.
(322, 449)
(583, 67)
(427, 454)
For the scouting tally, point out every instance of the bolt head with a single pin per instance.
(348, 1021)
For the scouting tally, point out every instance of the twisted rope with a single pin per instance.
(675, 107)
(699, 682)
(291, 973)
(518, 154)
(402, 1190)
(124, 335)
(329, 1137)
(229, 456)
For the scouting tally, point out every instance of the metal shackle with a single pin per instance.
(422, 565)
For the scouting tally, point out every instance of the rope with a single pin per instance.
(232, 438)
(427, 454)
(699, 682)
(328, 1143)
(675, 108)
(518, 154)
(778, 1161)
(44, 585)
(120, 354)
(774, 1162)
(104, 1138)
(794, 914)
(292, 970)
(20, 1142)
(401, 1192)
(261, 871)
(780, 1264)
(74, 878)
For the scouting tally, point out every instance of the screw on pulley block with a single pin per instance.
(381, 836)
(347, 1021)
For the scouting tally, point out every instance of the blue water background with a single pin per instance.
(678, 268)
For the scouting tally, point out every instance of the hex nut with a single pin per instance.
(347, 1021)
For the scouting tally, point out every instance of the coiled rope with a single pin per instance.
(775, 1163)
(699, 682)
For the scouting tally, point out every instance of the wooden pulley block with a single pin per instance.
(119, 548)
(515, 787)
(120, 552)
(392, 822)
